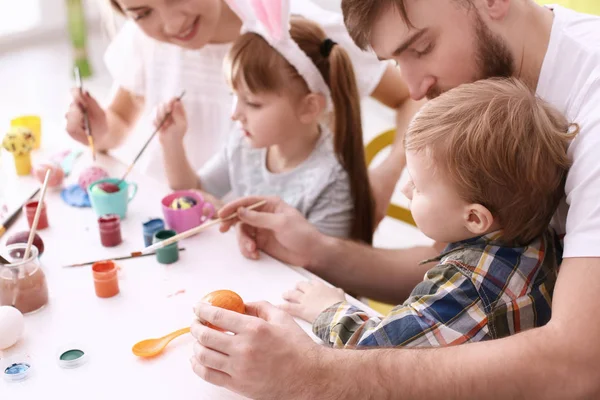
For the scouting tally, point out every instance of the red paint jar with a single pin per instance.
(30, 208)
(110, 230)
(106, 281)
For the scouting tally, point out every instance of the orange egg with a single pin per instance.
(225, 299)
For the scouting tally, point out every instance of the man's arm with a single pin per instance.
(558, 361)
(381, 274)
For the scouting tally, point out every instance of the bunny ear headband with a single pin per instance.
(271, 20)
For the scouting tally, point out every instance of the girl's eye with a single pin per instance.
(142, 15)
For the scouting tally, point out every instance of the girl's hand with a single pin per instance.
(310, 299)
(174, 127)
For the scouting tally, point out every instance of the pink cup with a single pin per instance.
(183, 220)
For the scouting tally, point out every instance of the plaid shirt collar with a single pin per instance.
(489, 239)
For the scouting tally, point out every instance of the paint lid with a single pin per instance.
(17, 368)
(154, 225)
(71, 356)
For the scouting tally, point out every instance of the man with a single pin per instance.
(438, 44)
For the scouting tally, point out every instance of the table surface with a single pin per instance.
(147, 306)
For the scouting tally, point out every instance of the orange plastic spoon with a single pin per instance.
(153, 347)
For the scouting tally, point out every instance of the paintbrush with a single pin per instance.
(137, 157)
(13, 217)
(86, 119)
(191, 232)
(112, 259)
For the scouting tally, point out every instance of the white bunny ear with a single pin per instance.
(271, 20)
(274, 16)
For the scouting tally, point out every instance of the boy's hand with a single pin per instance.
(310, 299)
(174, 127)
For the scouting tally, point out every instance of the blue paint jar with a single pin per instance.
(150, 228)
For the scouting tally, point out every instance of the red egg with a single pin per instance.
(56, 174)
(23, 237)
(108, 187)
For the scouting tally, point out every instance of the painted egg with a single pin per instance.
(183, 203)
(226, 299)
(56, 174)
(23, 237)
(11, 326)
(19, 140)
(108, 187)
(91, 175)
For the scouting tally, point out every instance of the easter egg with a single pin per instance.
(91, 175)
(56, 174)
(226, 299)
(11, 326)
(23, 237)
(19, 140)
(107, 187)
(183, 203)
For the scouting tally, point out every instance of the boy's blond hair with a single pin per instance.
(501, 147)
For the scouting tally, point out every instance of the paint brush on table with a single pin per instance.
(13, 217)
(192, 232)
(83, 264)
(137, 157)
(86, 119)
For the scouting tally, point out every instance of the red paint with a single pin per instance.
(106, 281)
(30, 208)
(110, 230)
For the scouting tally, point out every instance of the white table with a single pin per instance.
(106, 329)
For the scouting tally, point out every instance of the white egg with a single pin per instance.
(11, 326)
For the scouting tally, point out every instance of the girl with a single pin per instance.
(280, 147)
(169, 46)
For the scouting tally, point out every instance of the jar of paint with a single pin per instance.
(23, 282)
(150, 228)
(168, 254)
(106, 281)
(110, 230)
(30, 209)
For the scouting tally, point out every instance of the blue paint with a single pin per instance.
(150, 228)
(17, 368)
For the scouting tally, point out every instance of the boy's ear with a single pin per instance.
(478, 219)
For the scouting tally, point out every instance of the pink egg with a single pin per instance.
(91, 175)
(56, 174)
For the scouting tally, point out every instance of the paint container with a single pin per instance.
(170, 253)
(106, 282)
(110, 230)
(150, 228)
(17, 368)
(29, 209)
(71, 356)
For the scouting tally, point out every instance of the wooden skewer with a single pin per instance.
(36, 218)
(83, 264)
(192, 232)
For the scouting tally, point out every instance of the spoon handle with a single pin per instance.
(179, 333)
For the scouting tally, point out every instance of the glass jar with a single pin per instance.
(22, 282)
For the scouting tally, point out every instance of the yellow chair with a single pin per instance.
(584, 6)
(379, 143)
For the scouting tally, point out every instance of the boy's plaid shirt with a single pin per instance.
(479, 290)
